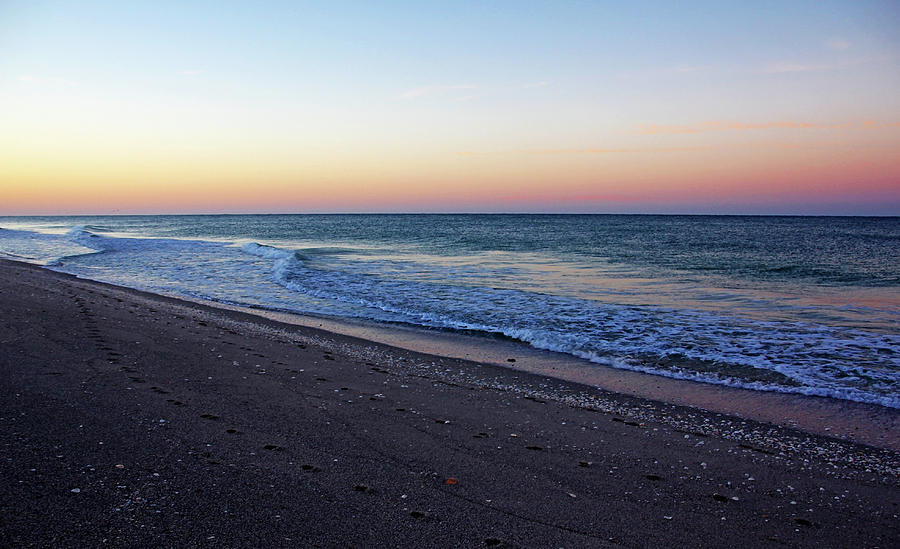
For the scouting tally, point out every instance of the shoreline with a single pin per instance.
(861, 422)
(138, 419)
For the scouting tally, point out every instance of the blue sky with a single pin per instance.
(300, 91)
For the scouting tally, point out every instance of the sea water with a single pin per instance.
(807, 305)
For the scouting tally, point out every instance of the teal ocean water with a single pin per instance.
(808, 305)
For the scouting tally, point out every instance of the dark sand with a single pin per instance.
(130, 419)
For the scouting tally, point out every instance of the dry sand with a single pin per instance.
(135, 420)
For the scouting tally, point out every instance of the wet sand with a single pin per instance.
(866, 423)
(130, 419)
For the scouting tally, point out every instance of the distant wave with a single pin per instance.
(83, 236)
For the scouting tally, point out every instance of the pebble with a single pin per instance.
(763, 440)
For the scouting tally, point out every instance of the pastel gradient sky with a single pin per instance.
(643, 107)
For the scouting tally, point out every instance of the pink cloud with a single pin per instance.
(717, 126)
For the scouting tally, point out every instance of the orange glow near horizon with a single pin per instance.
(764, 172)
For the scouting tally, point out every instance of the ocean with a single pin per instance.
(807, 305)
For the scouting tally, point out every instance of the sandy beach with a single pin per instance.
(136, 420)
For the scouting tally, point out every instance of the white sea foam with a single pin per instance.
(494, 296)
(39, 248)
(625, 337)
(266, 252)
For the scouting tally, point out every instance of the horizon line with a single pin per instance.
(211, 214)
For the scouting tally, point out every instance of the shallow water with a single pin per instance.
(790, 304)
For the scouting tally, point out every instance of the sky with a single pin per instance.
(610, 107)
